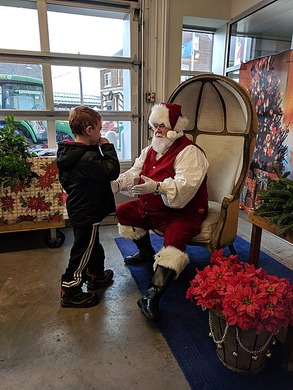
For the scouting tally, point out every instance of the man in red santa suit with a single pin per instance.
(169, 178)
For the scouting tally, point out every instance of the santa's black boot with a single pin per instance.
(145, 254)
(149, 302)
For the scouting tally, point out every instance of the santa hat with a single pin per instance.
(170, 115)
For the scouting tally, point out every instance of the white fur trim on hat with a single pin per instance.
(174, 135)
(162, 114)
(173, 258)
(131, 232)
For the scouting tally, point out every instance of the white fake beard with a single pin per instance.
(161, 145)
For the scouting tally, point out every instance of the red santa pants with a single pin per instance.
(177, 229)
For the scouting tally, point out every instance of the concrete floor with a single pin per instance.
(110, 346)
(44, 346)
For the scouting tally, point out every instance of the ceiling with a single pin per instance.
(275, 21)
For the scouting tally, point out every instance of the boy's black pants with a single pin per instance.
(86, 255)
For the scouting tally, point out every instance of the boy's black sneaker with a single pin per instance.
(100, 281)
(79, 300)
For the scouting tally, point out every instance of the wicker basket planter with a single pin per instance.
(241, 351)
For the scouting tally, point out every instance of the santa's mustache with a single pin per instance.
(160, 145)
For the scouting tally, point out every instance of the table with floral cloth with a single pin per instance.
(41, 206)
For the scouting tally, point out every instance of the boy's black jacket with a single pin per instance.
(85, 172)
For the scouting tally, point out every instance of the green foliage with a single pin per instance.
(14, 154)
(277, 202)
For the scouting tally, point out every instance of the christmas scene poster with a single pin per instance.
(269, 80)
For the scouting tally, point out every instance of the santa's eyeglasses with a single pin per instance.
(158, 126)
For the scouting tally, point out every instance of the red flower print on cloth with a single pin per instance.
(3, 221)
(36, 203)
(7, 203)
(18, 188)
(52, 170)
(45, 181)
(62, 197)
(51, 173)
(25, 218)
(56, 217)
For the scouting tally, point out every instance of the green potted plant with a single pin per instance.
(15, 162)
(277, 202)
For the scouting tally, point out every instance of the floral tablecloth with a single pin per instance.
(43, 201)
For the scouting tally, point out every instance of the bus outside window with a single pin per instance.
(27, 93)
(21, 92)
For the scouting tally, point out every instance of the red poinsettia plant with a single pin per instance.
(246, 296)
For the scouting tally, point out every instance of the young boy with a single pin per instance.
(86, 167)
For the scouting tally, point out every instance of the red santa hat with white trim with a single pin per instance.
(170, 115)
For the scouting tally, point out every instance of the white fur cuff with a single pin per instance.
(131, 232)
(173, 258)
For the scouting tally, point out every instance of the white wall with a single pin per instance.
(165, 28)
(219, 52)
(213, 9)
(240, 6)
(162, 42)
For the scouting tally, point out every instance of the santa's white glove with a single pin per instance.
(148, 187)
(115, 186)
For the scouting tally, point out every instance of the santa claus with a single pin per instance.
(169, 178)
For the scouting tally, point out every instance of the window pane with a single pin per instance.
(73, 31)
(234, 75)
(19, 28)
(37, 131)
(36, 134)
(262, 33)
(184, 78)
(21, 87)
(119, 133)
(104, 89)
(87, 33)
(115, 95)
(197, 50)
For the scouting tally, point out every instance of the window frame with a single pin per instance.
(184, 74)
(107, 79)
(264, 13)
(46, 58)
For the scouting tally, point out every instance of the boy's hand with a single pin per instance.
(102, 141)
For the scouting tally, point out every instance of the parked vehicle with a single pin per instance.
(27, 93)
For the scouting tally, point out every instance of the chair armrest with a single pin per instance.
(227, 200)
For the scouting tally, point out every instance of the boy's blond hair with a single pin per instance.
(81, 117)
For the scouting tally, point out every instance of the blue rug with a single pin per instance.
(185, 326)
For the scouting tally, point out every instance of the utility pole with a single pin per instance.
(80, 85)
